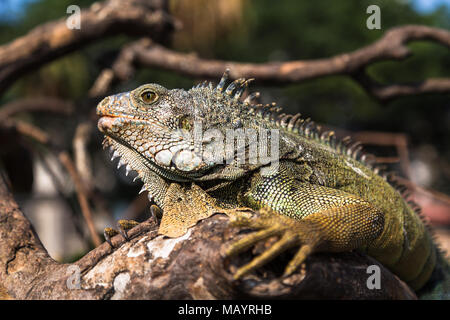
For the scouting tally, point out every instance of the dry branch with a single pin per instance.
(25, 129)
(82, 195)
(81, 154)
(392, 46)
(46, 104)
(52, 40)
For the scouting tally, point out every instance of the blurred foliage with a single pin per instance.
(264, 30)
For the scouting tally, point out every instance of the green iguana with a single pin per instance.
(312, 190)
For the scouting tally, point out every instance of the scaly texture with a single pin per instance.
(312, 191)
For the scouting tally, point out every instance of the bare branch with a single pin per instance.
(82, 195)
(82, 159)
(392, 46)
(48, 104)
(26, 129)
(54, 39)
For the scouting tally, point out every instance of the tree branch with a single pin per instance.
(155, 267)
(49, 104)
(392, 46)
(54, 39)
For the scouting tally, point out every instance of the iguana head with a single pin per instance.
(164, 129)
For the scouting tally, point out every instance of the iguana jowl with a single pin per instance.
(325, 194)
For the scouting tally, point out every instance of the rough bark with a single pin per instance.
(150, 266)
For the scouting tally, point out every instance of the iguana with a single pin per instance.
(317, 192)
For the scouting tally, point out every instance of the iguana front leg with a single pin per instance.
(313, 217)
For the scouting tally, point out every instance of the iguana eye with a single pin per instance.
(149, 96)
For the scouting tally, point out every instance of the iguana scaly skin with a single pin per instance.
(321, 195)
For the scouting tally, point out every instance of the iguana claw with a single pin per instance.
(269, 224)
(125, 225)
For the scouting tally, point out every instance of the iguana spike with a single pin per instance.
(298, 125)
(387, 175)
(223, 80)
(376, 169)
(343, 144)
(235, 84)
(242, 88)
(115, 155)
(273, 107)
(352, 147)
(275, 117)
(142, 189)
(346, 140)
(332, 139)
(356, 152)
(230, 88)
(251, 97)
(284, 119)
(308, 127)
(326, 136)
(120, 163)
(316, 129)
(291, 123)
(382, 171)
(199, 85)
(363, 158)
(370, 160)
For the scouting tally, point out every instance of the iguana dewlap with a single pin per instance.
(315, 192)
